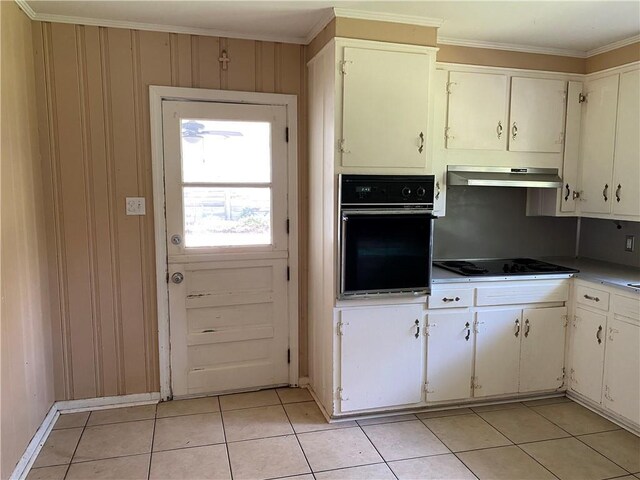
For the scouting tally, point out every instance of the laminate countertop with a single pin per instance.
(605, 273)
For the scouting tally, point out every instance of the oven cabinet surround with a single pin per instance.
(604, 350)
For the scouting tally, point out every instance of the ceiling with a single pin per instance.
(571, 27)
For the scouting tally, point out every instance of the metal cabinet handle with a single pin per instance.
(177, 277)
(604, 191)
(499, 129)
(468, 335)
(437, 190)
(527, 327)
(417, 323)
(566, 197)
(514, 131)
(598, 332)
(517, 328)
(589, 297)
(618, 193)
(448, 299)
(421, 147)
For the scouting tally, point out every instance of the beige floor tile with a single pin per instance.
(575, 419)
(379, 471)
(445, 413)
(570, 459)
(306, 476)
(440, 467)
(114, 440)
(523, 425)
(191, 406)
(59, 447)
(203, 463)
(307, 417)
(466, 432)
(48, 473)
(118, 415)
(402, 440)
(188, 431)
(262, 398)
(391, 419)
(546, 401)
(331, 449)
(71, 420)
(620, 446)
(498, 406)
(259, 422)
(294, 395)
(267, 458)
(123, 468)
(504, 463)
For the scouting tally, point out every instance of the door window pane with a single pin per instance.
(226, 216)
(216, 151)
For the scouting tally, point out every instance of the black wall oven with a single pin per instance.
(386, 234)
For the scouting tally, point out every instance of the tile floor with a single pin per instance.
(281, 433)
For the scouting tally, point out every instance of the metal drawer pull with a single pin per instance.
(517, 328)
(448, 299)
(598, 337)
(514, 131)
(566, 197)
(499, 130)
(467, 326)
(604, 191)
(527, 327)
(437, 190)
(618, 193)
(589, 297)
(421, 147)
(417, 328)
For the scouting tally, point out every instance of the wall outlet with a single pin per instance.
(136, 206)
(629, 243)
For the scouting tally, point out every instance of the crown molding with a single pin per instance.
(326, 18)
(388, 17)
(511, 47)
(614, 45)
(26, 8)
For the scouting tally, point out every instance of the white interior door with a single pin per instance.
(227, 245)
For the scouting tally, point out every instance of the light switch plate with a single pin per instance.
(136, 206)
(629, 242)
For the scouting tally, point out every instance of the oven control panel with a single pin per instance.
(379, 190)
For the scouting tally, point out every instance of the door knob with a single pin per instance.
(177, 277)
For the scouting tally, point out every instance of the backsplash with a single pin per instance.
(484, 222)
(603, 240)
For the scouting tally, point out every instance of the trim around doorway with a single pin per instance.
(156, 96)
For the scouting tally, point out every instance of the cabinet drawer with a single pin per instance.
(529, 293)
(592, 297)
(627, 307)
(451, 298)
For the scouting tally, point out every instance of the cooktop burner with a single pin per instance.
(502, 267)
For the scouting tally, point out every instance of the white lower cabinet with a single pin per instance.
(382, 352)
(587, 353)
(622, 369)
(449, 355)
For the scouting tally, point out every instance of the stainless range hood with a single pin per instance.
(503, 177)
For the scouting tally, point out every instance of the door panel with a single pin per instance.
(542, 353)
(587, 354)
(497, 352)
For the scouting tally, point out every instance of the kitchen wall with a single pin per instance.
(94, 118)
(603, 240)
(26, 391)
(491, 222)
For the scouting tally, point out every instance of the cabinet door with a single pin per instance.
(385, 104)
(626, 182)
(449, 356)
(477, 111)
(542, 353)
(622, 370)
(598, 138)
(497, 352)
(587, 353)
(381, 357)
(537, 115)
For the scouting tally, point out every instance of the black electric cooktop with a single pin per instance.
(502, 267)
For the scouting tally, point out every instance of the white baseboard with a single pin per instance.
(72, 406)
(603, 412)
(35, 445)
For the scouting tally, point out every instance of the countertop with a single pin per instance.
(605, 273)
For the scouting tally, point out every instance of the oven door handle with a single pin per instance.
(386, 211)
(343, 250)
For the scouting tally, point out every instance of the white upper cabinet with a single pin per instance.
(385, 108)
(477, 116)
(597, 147)
(537, 115)
(626, 178)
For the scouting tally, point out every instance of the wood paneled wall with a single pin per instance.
(95, 138)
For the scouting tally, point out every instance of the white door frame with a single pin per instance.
(290, 102)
